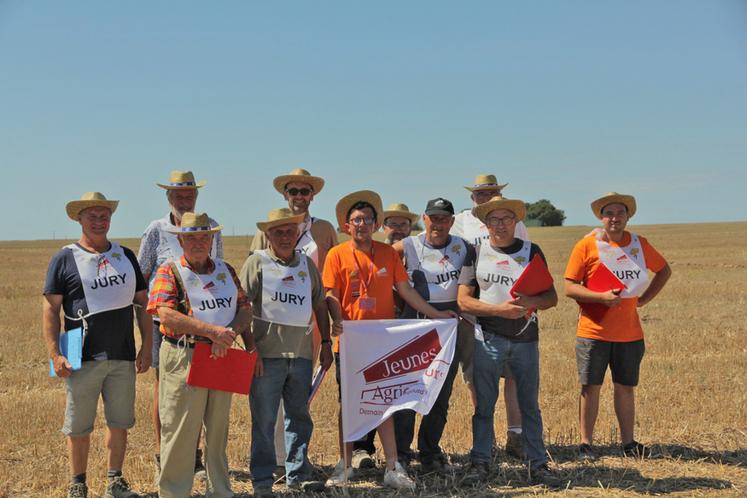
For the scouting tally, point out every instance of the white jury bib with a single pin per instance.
(627, 263)
(496, 272)
(441, 267)
(474, 230)
(212, 297)
(286, 292)
(170, 248)
(108, 278)
(306, 244)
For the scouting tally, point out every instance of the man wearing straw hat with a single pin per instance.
(159, 245)
(504, 335)
(358, 278)
(198, 299)
(286, 293)
(609, 330)
(398, 222)
(95, 282)
(316, 238)
(471, 229)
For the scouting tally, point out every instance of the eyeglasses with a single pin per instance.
(368, 220)
(495, 221)
(398, 226)
(295, 191)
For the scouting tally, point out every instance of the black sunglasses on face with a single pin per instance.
(295, 191)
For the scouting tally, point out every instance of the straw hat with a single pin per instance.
(612, 198)
(499, 202)
(298, 175)
(182, 179)
(195, 224)
(486, 182)
(399, 209)
(344, 205)
(279, 217)
(89, 200)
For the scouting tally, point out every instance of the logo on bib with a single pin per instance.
(502, 264)
(302, 276)
(623, 257)
(289, 280)
(117, 256)
(209, 286)
(456, 248)
(520, 259)
(444, 260)
(634, 252)
(221, 277)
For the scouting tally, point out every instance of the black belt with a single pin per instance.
(190, 341)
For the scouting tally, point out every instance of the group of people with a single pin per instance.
(288, 303)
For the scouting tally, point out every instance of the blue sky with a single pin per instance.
(562, 100)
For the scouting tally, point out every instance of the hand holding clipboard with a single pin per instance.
(602, 281)
(535, 280)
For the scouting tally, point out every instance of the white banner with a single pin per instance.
(391, 365)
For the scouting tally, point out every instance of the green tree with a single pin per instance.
(545, 213)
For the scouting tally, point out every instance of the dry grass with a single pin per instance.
(691, 403)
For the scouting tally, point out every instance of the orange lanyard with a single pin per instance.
(369, 277)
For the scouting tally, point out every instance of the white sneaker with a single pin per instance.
(398, 478)
(339, 475)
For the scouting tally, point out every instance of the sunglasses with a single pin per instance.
(295, 191)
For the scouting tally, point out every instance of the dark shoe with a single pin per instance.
(542, 474)
(637, 450)
(362, 460)
(264, 492)
(279, 472)
(440, 463)
(477, 473)
(119, 488)
(586, 452)
(513, 445)
(200, 472)
(77, 490)
(307, 486)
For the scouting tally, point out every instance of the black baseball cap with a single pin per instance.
(439, 205)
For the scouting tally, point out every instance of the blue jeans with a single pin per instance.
(490, 357)
(289, 379)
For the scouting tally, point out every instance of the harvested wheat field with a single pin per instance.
(691, 402)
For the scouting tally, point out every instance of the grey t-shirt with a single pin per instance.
(506, 327)
(274, 340)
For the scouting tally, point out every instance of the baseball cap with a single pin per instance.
(439, 205)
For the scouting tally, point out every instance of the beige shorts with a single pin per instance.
(114, 381)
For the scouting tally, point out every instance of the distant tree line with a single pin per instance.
(542, 213)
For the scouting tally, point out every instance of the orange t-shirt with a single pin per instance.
(356, 276)
(618, 324)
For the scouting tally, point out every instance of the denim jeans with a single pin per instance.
(432, 425)
(523, 357)
(289, 379)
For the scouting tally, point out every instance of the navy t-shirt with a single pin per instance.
(110, 334)
(511, 329)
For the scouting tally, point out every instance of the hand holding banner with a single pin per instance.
(391, 365)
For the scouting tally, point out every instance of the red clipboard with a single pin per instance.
(602, 280)
(535, 279)
(233, 373)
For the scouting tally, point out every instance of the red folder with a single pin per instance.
(535, 279)
(602, 280)
(233, 373)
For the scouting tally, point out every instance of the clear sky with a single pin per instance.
(563, 100)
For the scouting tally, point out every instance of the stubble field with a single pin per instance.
(691, 402)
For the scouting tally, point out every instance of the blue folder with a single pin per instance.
(71, 347)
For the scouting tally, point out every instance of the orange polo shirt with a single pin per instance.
(356, 275)
(618, 324)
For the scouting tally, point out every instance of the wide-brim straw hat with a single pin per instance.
(195, 224)
(89, 200)
(499, 202)
(613, 198)
(400, 209)
(298, 175)
(486, 182)
(344, 205)
(279, 217)
(180, 180)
